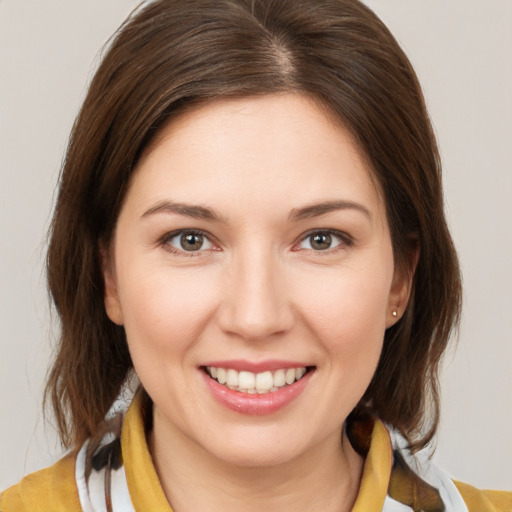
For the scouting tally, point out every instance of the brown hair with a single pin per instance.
(171, 54)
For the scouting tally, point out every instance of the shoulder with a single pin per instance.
(52, 488)
(416, 481)
(484, 501)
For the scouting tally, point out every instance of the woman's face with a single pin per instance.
(253, 246)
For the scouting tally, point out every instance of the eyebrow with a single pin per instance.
(209, 214)
(316, 210)
(187, 210)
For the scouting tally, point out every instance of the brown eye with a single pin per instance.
(189, 241)
(323, 241)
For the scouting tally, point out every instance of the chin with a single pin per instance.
(259, 446)
(257, 456)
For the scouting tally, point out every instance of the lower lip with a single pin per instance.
(256, 405)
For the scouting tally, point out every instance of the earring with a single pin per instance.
(394, 313)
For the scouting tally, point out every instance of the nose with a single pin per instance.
(255, 303)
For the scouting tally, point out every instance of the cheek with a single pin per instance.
(348, 312)
(165, 312)
(346, 298)
(346, 317)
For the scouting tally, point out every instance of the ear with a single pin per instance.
(111, 297)
(401, 289)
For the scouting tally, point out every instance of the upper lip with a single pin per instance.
(256, 367)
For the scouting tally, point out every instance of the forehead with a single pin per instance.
(272, 112)
(278, 148)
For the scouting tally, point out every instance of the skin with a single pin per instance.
(255, 290)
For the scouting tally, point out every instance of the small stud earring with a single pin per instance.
(394, 313)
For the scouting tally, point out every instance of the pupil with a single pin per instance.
(321, 241)
(191, 242)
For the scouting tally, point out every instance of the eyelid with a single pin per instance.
(346, 240)
(167, 237)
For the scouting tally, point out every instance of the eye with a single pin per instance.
(323, 241)
(188, 241)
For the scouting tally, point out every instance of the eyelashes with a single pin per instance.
(187, 242)
(193, 242)
(324, 240)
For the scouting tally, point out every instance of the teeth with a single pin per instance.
(290, 376)
(264, 382)
(256, 383)
(232, 378)
(222, 375)
(246, 380)
(279, 378)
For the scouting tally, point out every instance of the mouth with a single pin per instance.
(256, 383)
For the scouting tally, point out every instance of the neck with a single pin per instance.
(325, 478)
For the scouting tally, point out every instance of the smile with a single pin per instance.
(256, 383)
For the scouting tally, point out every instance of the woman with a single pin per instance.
(250, 220)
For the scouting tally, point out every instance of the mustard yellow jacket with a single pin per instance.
(388, 482)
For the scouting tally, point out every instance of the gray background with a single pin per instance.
(462, 51)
